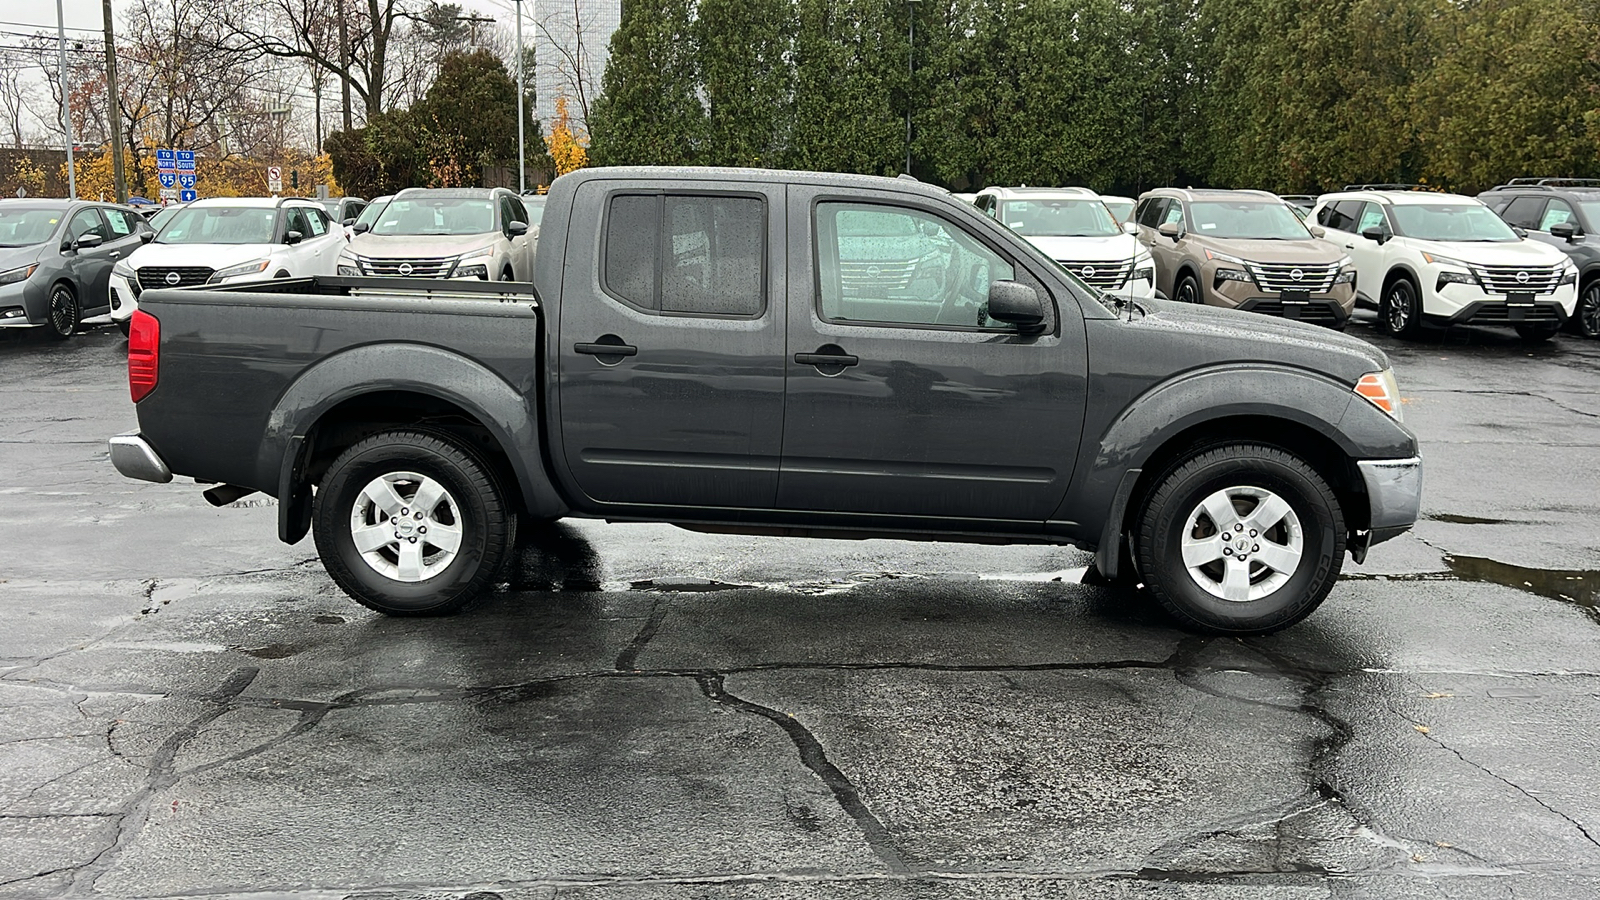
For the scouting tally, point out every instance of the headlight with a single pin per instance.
(16, 275)
(1233, 275)
(477, 271)
(1569, 272)
(1448, 277)
(349, 271)
(253, 267)
(1382, 391)
(1144, 268)
(123, 270)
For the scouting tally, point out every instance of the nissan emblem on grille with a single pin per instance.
(1088, 272)
(1522, 278)
(174, 278)
(405, 269)
(1296, 274)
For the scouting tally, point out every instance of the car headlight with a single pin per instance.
(476, 271)
(253, 267)
(481, 253)
(1144, 267)
(1449, 277)
(1569, 272)
(124, 271)
(1382, 391)
(17, 275)
(348, 271)
(1233, 275)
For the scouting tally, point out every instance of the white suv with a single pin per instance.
(1447, 259)
(1073, 227)
(223, 239)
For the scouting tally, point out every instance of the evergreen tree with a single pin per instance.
(649, 111)
(470, 114)
(850, 64)
(742, 47)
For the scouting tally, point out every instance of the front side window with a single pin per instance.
(892, 265)
(1245, 220)
(1371, 217)
(87, 222)
(1450, 222)
(687, 254)
(1174, 214)
(1059, 218)
(219, 225)
(295, 220)
(1557, 213)
(1524, 212)
(369, 216)
(436, 216)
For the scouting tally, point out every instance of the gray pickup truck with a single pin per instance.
(778, 353)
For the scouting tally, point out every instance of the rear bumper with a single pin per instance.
(135, 458)
(1394, 495)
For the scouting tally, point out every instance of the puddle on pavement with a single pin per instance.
(685, 585)
(270, 651)
(1454, 519)
(1577, 587)
(328, 620)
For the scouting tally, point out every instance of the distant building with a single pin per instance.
(571, 43)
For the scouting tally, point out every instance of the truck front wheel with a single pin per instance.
(1241, 539)
(411, 523)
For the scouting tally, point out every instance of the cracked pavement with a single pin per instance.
(190, 709)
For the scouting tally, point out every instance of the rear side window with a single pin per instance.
(319, 224)
(121, 222)
(687, 254)
(1150, 212)
(1341, 216)
(1524, 212)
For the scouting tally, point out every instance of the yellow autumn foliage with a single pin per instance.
(566, 148)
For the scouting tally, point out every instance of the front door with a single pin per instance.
(671, 345)
(91, 267)
(904, 399)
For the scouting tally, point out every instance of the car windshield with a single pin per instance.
(22, 227)
(1450, 222)
(162, 216)
(1591, 210)
(219, 225)
(436, 215)
(1059, 218)
(535, 208)
(369, 216)
(1249, 220)
(1121, 209)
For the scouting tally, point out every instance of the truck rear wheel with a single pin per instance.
(411, 523)
(1240, 539)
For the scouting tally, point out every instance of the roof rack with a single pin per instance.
(1548, 183)
(1391, 187)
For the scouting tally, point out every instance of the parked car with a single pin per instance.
(966, 198)
(675, 370)
(1302, 202)
(446, 233)
(158, 216)
(344, 210)
(56, 258)
(1447, 259)
(221, 239)
(1121, 207)
(1073, 227)
(1245, 250)
(1564, 213)
(369, 215)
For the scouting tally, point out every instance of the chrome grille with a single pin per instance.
(1105, 274)
(1316, 278)
(152, 277)
(1518, 279)
(437, 267)
(857, 276)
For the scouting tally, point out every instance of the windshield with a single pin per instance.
(1120, 209)
(535, 208)
(161, 216)
(219, 225)
(21, 227)
(1450, 222)
(1059, 218)
(369, 216)
(1249, 220)
(436, 215)
(1591, 211)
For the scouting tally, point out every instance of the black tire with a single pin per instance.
(1400, 311)
(508, 275)
(1535, 332)
(1586, 319)
(486, 521)
(1177, 496)
(1187, 290)
(281, 273)
(62, 314)
(125, 326)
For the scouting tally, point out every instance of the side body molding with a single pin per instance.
(507, 412)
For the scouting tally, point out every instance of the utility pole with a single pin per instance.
(344, 64)
(473, 22)
(114, 112)
(66, 102)
(522, 150)
(911, 70)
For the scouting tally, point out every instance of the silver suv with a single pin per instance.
(478, 233)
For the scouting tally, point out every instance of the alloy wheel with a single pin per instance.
(63, 312)
(1242, 543)
(1589, 311)
(1397, 312)
(406, 526)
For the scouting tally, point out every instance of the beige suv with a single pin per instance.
(1245, 250)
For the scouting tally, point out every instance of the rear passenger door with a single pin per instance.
(124, 232)
(323, 242)
(671, 345)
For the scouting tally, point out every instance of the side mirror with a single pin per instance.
(361, 228)
(348, 222)
(1170, 230)
(1317, 231)
(516, 228)
(87, 242)
(293, 237)
(146, 237)
(1015, 304)
(1566, 231)
(1130, 227)
(1375, 234)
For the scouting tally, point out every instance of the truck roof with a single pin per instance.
(764, 176)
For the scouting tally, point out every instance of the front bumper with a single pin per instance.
(1394, 495)
(135, 458)
(124, 299)
(25, 304)
(1332, 307)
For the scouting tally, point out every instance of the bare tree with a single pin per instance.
(567, 55)
(15, 92)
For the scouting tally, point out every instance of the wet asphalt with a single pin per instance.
(190, 709)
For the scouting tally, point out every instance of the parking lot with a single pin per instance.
(190, 708)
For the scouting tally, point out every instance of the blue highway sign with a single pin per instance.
(186, 180)
(168, 179)
(187, 196)
(186, 160)
(164, 161)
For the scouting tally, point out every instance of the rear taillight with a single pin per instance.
(144, 354)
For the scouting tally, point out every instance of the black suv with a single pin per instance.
(1565, 213)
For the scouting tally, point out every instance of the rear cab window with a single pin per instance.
(686, 254)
